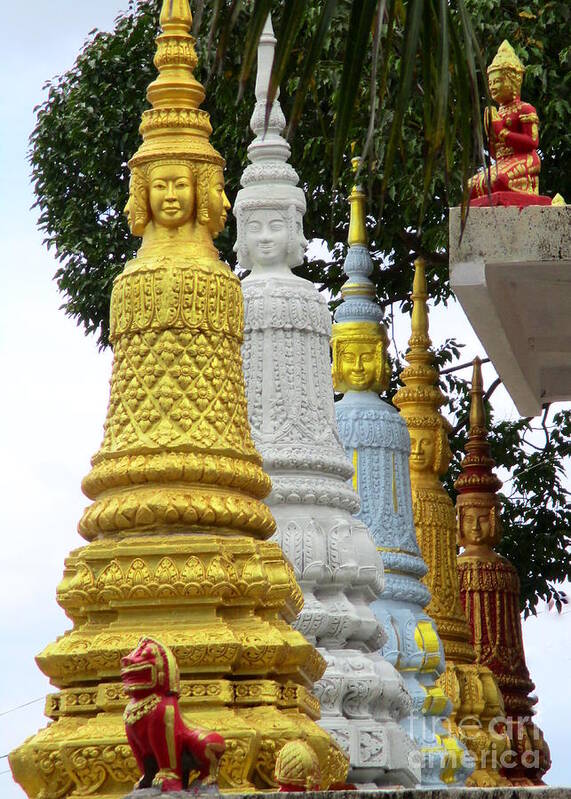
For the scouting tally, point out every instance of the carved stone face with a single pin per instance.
(476, 525)
(501, 86)
(266, 237)
(218, 205)
(171, 194)
(422, 448)
(357, 365)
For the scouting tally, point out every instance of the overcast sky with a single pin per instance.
(56, 391)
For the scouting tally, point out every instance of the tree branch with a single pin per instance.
(544, 425)
(461, 366)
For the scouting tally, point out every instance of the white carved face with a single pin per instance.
(266, 235)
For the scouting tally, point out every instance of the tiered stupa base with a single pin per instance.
(414, 648)
(472, 688)
(490, 591)
(114, 592)
(362, 696)
(477, 720)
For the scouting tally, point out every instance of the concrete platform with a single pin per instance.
(511, 272)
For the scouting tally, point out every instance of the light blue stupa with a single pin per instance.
(377, 442)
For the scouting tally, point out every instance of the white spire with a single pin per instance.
(269, 182)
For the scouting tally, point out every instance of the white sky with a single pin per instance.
(56, 391)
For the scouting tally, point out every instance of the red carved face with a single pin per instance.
(141, 668)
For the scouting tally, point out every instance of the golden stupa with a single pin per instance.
(476, 699)
(177, 527)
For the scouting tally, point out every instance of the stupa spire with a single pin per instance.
(477, 466)
(177, 525)
(490, 592)
(471, 687)
(376, 440)
(175, 16)
(291, 409)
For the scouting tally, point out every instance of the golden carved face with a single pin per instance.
(501, 86)
(171, 194)
(476, 525)
(218, 205)
(422, 448)
(267, 237)
(478, 521)
(357, 365)
(137, 208)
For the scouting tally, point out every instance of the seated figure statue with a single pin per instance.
(513, 137)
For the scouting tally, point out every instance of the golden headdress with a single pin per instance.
(506, 58)
(420, 398)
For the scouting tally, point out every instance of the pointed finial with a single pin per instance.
(269, 183)
(357, 199)
(477, 467)
(420, 398)
(266, 52)
(175, 127)
(477, 412)
(420, 336)
(477, 484)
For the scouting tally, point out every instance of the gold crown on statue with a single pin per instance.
(506, 58)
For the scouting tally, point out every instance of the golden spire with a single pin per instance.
(477, 412)
(420, 398)
(174, 126)
(357, 200)
(474, 694)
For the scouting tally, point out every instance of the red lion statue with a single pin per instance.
(168, 753)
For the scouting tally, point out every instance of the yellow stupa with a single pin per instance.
(472, 688)
(177, 527)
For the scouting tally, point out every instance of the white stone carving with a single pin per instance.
(292, 415)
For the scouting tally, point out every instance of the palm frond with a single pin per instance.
(429, 44)
(259, 15)
(408, 60)
(358, 36)
(292, 17)
(310, 62)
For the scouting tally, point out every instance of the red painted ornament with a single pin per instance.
(168, 753)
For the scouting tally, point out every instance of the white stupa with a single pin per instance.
(291, 411)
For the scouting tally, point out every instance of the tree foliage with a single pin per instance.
(87, 129)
